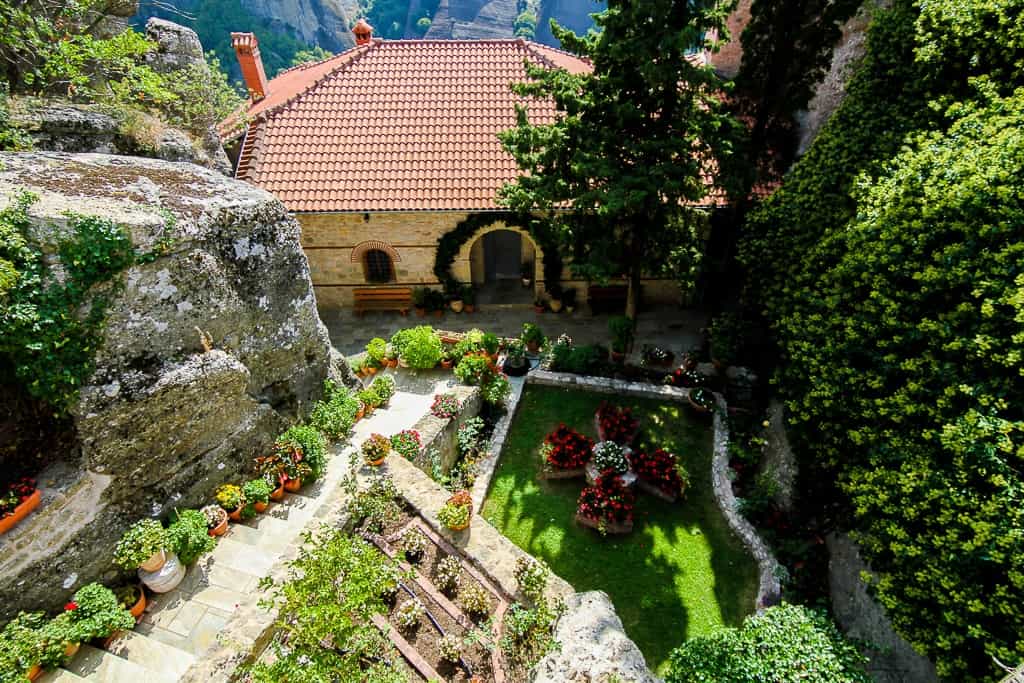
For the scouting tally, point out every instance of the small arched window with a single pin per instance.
(378, 266)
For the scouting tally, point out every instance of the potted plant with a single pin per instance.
(216, 519)
(21, 498)
(565, 453)
(188, 536)
(407, 444)
(256, 493)
(28, 646)
(375, 449)
(701, 400)
(569, 300)
(133, 597)
(370, 400)
(491, 345)
(358, 366)
(456, 512)
(656, 355)
(229, 497)
(516, 364)
(726, 339)
(659, 474)
(555, 298)
(606, 506)
(445, 406)
(526, 271)
(621, 329)
(538, 305)
(435, 302)
(421, 347)
(455, 300)
(691, 358)
(616, 423)
(376, 350)
(609, 458)
(448, 358)
(390, 356)
(384, 387)
(272, 468)
(419, 300)
(469, 298)
(142, 545)
(533, 337)
(306, 445)
(93, 612)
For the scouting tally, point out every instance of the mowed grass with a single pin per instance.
(679, 575)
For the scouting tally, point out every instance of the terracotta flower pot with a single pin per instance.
(438, 313)
(376, 463)
(420, 311)
(447, 364)
(538, 309)
(20, 512)
(392, 362)
(236, 514)
(532, 346)
(220, 529)
(293, 485)
(260, 507)
(457, 305)
(360, 412)
(140, 605)
(469, 308)
(155, 562)
(71, 649)
(35, 672)
(460, 527)
(278, 493)
(371, 371)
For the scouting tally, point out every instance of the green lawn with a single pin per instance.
(680, 574)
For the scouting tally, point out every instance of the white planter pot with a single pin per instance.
(166, 578)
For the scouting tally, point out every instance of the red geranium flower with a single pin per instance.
(71, 606)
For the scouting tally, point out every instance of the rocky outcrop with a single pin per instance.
(779, 460)
(890, 659)
(209, 351)
(60, 126)
(593, 646)
(318, 22)
(474, 19)
(177, 47)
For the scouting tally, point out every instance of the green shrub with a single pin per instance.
(384, 387)
(140, 542)
(310, 442)
(621, 329)
(784, 643)
(375, 350)
(471, 342)
(496, 391)
(187, 535)
(335, 415)
(24, 642)
(94, 612)
(475, 370)
(419, 347)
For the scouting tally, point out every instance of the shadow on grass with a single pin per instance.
(680, 574)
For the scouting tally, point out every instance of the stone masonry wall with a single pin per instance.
(329, 239)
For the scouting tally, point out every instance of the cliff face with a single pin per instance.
(317, 22)
(209, 352)
(481, 19)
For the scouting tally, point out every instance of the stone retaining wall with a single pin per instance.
(440, 433)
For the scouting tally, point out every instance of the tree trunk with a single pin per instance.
(633, 294)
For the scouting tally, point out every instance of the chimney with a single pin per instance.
(247, 49)
(363, 32)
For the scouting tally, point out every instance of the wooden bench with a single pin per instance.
(383, 299)
(607, 298)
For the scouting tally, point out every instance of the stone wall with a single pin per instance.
(440, 434)
(411, 237)
(163, 420)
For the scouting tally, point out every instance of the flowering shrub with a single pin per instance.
(408, 614)
(17, 493)
(456, 511)
(414, 544)
(445, 406)
(229, 497)
(450, 648)
(407, 443)
(610, 457)
(376, 447)
(617, 423)
(660, 468)
(532, 576)
(565, 448)
(608, 500)
(475, 600)
(448, 573)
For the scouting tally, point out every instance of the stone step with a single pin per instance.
(97, 665)
(60, 676)
(242, 557)
(151, 654)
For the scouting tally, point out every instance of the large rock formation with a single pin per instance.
(318, 22)
(165, 418)
(594, 648)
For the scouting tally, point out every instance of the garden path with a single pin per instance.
(215, 606)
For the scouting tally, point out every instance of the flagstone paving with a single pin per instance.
(182, 627)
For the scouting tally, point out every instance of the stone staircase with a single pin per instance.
(180, 627)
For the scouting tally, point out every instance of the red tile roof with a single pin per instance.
(393, 126)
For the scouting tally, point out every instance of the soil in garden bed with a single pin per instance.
(425, 638)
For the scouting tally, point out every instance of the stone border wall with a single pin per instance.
(769, 590)
(440, 433)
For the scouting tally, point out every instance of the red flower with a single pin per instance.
(616, 423)
(567, 449)
(71, 606)
(658, 468)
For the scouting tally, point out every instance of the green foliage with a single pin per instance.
(198, 96)
(419, 347)
(333, 588)
(525, 25)
(376, 506)
(497, 391)
(24, 643)
(475, 370)
(257, 491)
(620, 208)
(375, 350)
(782, 644)
(97, 614)
(336, 413)
(622, 330)
(187, 535)
(11, 140)
(888, 265)
(727, 334)
(528, 633)
(50, 328)
(314, 54)
(384, 386)
(311, 443)
(141, 541)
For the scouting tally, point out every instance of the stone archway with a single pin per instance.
(470, 265)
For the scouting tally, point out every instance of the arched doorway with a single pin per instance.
(496, 265)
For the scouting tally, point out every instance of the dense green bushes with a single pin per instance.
(889, 265)
(784, 643)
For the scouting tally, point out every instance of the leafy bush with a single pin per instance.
(529, 633)
(408, 614)
(419, 347)
(414, 544)
(727, 331)
(497, 391)
(476, 369)
(384, 387)
(532, 334)
(94, 612)
(376, 348)
(336, 414)
(310, 443)
(187, 535)
(450, 648)
(784, 643)
(376, 506)
(407, 443)
(24, 643)
(532, 577)
(471, 342)
(610, 457)
(621, 329)
(140, 542)
(448, 574)
(475, 600)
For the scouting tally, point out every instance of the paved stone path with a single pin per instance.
(181, 628)
(671, 327)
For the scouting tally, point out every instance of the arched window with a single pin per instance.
(378, 266)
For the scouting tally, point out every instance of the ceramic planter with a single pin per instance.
(376, 463)
(236, 514)
(20, 512)
(293, 485)
(221, 527)
(155, 562)
(609, 527)
(447, 364)
(166, 578)
(260, 507)
(278, 493)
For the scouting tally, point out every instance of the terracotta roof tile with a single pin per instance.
(393, 125)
